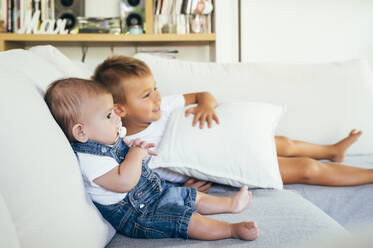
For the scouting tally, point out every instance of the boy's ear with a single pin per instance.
(120, 110)
(79, 134)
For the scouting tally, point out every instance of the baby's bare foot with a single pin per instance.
(245, 230)
(342, 146)
(240, 200)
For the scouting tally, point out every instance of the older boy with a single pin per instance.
(134, 89)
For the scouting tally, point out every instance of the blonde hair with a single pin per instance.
(117, 69)
(64, 98)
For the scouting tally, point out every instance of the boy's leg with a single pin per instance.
(336, 152)
(310, 171)
(205, 228)
(208, 204)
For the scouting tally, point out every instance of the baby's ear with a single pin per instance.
(120, 110)
(79, 134)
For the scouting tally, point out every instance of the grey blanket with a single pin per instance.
(299, 213)
(283, 218)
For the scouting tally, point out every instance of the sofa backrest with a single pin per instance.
(324, 101)
(7, 229)
(40, 179)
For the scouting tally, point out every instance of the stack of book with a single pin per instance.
(183, 16)
(15, 12)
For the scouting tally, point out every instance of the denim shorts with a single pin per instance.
(163, 213)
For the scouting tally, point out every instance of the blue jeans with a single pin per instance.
(152, 212)
(153, 209)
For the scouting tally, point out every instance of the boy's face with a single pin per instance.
(100, 123)
(143, 101)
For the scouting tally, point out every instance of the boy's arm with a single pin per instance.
(205, 109)
(124, 177)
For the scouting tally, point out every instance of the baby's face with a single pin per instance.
(100, 122)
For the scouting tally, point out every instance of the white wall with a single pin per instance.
(292, 31)
(96, 55)
(227, 30)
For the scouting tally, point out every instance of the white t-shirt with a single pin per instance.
(92, 167)
(154, 133)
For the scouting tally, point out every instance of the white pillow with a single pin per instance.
(60, 61)
(40, 178)
(39, 71)
(239, 151)
(324, 101)
(8, 231)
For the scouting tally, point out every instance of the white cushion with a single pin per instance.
(60, 61)
(239, 151)
(40, 178)
(39, 71)
(8, 237)
(324, 101)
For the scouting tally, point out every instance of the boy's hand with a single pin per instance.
(201, 186)
(142, 144)
(202, 113)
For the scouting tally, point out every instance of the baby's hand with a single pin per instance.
(141, 152)
(202, 113)
(141, 144)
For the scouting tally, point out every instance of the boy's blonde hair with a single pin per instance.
(117, 69)
(64, 98)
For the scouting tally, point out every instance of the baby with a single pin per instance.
(128, 194)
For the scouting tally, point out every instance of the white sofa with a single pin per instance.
(43, 203)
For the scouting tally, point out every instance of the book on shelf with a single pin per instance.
(183, 16)
(2, 15)
(16, 11)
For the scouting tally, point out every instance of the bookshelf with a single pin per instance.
(12, 40)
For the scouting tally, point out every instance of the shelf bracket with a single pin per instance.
(84, 52)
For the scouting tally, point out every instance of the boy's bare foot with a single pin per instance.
(342, 146)
(240, 200)
(245, 230)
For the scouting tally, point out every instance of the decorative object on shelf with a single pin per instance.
(69, 10)
(200, 19)
(199, 24)
(182, 16)
(165, 24)
(99, 25)
(31, 25)
(136, 29)
(34, 16)
(132, 13)
(203, 8)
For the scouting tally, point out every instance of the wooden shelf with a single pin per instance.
(107, 37)
(10, 40)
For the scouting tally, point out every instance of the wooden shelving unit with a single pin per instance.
(11, 40)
